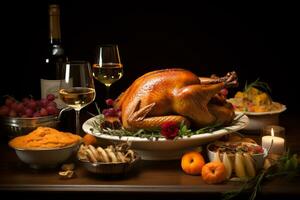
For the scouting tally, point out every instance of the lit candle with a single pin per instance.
(276, 144)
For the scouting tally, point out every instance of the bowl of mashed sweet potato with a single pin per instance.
(45, 147)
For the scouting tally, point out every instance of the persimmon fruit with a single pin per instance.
(213, 172)
(89, 139)
(192, 163)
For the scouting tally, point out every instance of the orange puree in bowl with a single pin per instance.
(44, 137)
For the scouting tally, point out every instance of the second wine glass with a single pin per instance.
(77, 88)
(108, 67)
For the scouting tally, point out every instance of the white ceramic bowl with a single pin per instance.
(163, 149)
(258, 120)
(46, 158)
(258, 158)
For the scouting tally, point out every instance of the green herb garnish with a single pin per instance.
(259, 85)
(150, 134)
(184, 131)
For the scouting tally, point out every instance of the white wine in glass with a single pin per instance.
(77, 97)
(77, 88)
(108, 67)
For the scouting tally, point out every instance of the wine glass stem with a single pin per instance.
(77, 122)
(107, 92)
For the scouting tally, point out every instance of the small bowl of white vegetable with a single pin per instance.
(108, 161)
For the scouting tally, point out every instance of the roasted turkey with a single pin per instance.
(176, 95)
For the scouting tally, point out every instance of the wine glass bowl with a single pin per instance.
(77, 88)
(108, 67)
(108, 74)
(77, 97)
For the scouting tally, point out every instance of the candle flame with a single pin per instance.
(272, 132)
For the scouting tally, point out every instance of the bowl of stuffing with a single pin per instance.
(257, 105)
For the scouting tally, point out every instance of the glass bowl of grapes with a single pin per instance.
(19, 117)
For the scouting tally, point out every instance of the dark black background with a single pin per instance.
(256, 40)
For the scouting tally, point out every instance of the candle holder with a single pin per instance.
(273, 139)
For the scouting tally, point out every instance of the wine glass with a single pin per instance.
(108, 67)
(77, 88)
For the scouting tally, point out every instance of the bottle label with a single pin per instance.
(52, 87)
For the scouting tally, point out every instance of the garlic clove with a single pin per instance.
(249, 165)
(239, 166)
(103, 154)
(228, 166)
(66, 174)
(217, 157)
(111, 155)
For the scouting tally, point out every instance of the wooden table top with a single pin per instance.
(155, 179)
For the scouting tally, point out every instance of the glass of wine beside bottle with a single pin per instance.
(77, 87)
(108, 67)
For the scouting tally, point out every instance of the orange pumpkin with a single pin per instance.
(213, 172)
(192, 163)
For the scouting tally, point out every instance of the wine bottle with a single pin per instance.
(55, 57)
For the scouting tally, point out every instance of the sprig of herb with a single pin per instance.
(97, 108)
(259, 85)
(184, 131)
(286, 166)
(96, 124)
(253, 184)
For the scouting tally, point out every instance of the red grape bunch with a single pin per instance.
(112, 116)
(29, 107)
(111, 112)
